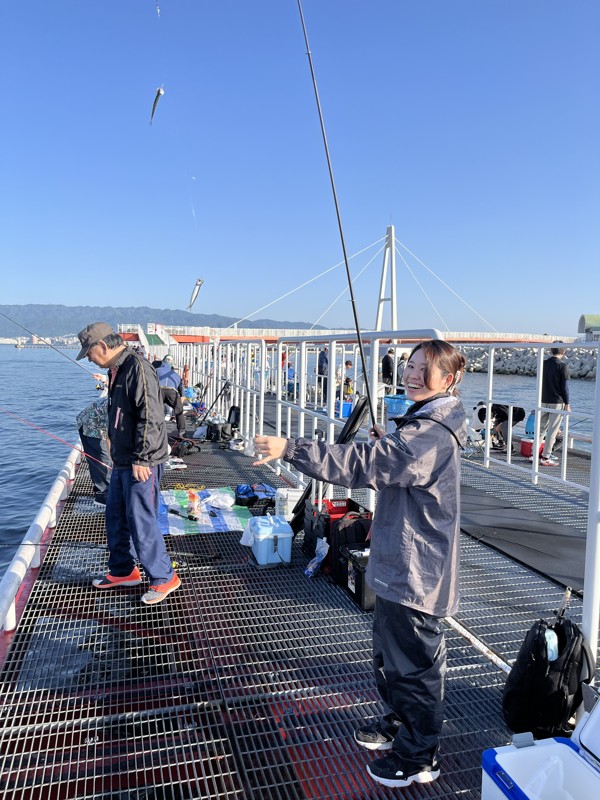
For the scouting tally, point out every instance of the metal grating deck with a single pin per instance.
(246, 683)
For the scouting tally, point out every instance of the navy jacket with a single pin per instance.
(555, 376)
(136, 420)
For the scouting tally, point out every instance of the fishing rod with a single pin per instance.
(339, 219)
(224, 389)
(46, 342)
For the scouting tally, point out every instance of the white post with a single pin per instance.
(591, 580)
(389, 256)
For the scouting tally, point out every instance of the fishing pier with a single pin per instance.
(248, 682)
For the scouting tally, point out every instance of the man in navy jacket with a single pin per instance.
(139, 450)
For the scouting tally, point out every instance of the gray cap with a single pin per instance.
(92, 335)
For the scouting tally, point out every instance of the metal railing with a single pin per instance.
(28, 555)
(245, 372)
(306, 400)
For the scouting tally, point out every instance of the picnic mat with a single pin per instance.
(210, 519)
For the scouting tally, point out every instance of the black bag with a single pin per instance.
(234, 417)
(184, 448)
(219, 432)
(541, 695)
(320, 525)
(245, 495)
(260, 497)
(350, 530)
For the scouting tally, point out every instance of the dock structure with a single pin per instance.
(246, 682)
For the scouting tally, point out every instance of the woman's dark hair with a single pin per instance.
(439, 353)
(113, 340)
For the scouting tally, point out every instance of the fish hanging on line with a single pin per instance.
(159, 93)
(195, 291)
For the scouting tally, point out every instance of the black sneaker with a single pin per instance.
(376, 736)
(392, 770)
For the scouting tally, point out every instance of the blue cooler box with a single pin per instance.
(546, 769)
(272, 540)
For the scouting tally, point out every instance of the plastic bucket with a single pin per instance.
(396, 405)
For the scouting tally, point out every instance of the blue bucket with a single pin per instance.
(396, 405)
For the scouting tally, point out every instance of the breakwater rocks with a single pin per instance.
(523, 361)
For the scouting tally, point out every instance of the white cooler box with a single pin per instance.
(546, 769)
(272, 540)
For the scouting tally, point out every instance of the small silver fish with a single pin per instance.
(195, 291)
(159, 94)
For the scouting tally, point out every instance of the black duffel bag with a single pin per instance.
(219, 432)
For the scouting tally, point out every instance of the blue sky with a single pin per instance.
(471, 125)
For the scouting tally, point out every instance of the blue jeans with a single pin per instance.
(132, 526)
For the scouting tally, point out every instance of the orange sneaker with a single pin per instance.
(114, 581)
(157, 594)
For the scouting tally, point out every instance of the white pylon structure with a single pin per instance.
(389, 259)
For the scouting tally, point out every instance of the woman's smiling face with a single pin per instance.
(414, 378)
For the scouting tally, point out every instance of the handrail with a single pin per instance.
(28, 554)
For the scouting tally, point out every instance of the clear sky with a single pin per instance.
(471, 125)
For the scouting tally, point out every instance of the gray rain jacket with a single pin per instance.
(414, 556)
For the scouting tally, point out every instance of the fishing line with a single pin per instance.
(450, 289)
(416, 280)
(160, 90)
(339, 219)
(72, 360)
(343, 292)
(58, 439)
(302, 285)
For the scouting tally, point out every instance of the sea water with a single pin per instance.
(48, 389)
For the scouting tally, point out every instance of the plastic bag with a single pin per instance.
(218, 500)
(321, 551)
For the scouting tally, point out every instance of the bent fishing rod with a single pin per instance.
(339, 219)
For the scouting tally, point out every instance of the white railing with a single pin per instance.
(244, 372)
(255, 369)
(28, 555)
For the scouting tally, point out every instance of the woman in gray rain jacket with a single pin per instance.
(413, 564)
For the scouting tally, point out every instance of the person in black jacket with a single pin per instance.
(499, 422)
(139, 450)
(323, 373)
(555, 396)
(387, 369)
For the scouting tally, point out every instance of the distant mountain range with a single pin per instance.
(55, 320)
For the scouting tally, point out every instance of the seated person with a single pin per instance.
(171, 389)
(499, 422)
